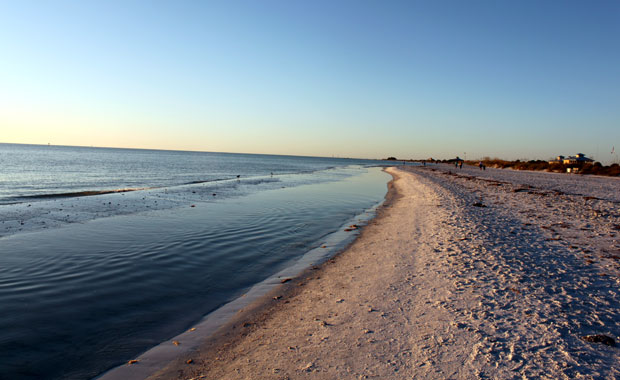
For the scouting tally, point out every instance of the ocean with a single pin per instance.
(104, 253)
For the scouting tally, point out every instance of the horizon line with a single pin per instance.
(192, 151)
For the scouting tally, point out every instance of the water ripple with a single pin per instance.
(79, 300)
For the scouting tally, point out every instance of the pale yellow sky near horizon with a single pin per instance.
(60, 131)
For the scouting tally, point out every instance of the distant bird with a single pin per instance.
(238, 176)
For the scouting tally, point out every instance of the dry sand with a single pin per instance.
(438, 287)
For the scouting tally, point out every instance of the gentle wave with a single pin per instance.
(87, 193)
(197, 182)
(90, 193)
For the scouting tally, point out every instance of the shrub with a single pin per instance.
(596, 168)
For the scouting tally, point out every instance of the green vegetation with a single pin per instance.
(584, 168)
(595, 168)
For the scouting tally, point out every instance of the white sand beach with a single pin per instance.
(465, 274)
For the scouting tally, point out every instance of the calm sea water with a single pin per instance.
(88, 282)
(32, 171)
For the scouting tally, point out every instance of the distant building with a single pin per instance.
(577, 159)
(572, 163)
(558, 160)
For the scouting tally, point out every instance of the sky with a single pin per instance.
(367, 79)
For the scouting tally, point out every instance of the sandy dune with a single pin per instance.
(460, 277)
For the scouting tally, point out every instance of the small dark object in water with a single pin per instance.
(214, 194)
(478, 204)
(239, 176)
(600, 338)
(352, 227)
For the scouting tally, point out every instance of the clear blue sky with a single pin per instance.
(412, 79)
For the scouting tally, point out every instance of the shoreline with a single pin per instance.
(436, 288)
(214, 326)
(262, 308)
(102, 292)
(277, 300)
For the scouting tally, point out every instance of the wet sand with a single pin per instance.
(466, 274)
